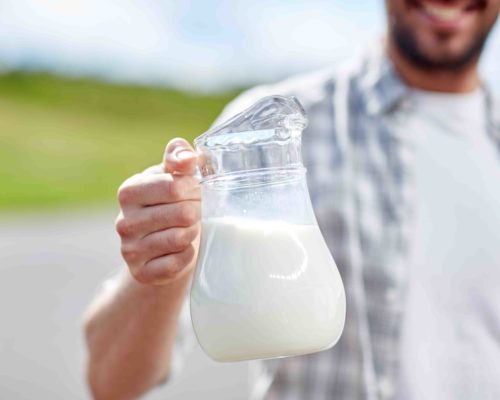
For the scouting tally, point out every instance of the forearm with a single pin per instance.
(130, 335)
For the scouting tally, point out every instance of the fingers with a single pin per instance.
(139, 254)
(180, 158)
(152, 189)
(143, 221)
(160, 213)
(156, 244)
(163, 269)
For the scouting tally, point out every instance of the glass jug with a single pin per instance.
(265, 283)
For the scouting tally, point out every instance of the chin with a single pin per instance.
(438, 34)
(453, 50)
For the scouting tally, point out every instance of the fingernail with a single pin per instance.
(185, 154)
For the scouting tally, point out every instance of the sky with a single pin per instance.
(200, 45)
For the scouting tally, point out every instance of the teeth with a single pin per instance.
(444, 13)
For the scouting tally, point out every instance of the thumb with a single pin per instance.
(179, 157)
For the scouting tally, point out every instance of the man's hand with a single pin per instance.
(131, 327)
(159, 219)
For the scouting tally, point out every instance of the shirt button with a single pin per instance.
(385, 388)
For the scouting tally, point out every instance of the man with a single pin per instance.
(402, 153)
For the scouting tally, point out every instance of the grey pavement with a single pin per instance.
(51, 265)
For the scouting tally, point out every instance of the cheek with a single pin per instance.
(493, 12)
(397, 10)
(495, 5)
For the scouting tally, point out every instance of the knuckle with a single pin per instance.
(139, 275)
(119, 224)
(126, 193)
(125, 226)
(130, 253)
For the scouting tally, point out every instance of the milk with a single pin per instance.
(265, 289)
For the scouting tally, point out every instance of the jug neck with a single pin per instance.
(255, 178)
(255, 158)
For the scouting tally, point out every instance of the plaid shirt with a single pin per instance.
(361, 184)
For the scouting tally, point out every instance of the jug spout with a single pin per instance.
(266, 135)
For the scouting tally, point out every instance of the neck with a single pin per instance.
(460, 81)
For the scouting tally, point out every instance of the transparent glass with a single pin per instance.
(265, 284)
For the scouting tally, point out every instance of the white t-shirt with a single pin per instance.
(450, 347)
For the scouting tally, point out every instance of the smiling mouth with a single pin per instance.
(448, 11)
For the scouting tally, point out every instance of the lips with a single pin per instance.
(448, 10)
(447, 14)
(442, 11)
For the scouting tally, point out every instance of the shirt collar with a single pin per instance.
(382, 89)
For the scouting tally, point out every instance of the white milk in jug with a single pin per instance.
(265, 289)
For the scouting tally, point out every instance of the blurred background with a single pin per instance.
(90, 93)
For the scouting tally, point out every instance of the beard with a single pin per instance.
(407, 45)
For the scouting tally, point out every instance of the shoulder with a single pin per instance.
(311, 89)
(314, 90)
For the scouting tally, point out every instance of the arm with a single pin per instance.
(130, 329)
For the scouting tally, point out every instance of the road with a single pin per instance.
(51, 265)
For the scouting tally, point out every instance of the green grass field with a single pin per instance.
(66, 142)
